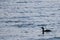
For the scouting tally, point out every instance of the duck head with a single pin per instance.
(42, 27)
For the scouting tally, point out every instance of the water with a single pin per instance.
(23, 19)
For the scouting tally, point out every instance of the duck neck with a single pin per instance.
(42, 30)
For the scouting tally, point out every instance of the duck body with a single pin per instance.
(47, 30)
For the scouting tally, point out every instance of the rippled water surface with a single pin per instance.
(23, 19)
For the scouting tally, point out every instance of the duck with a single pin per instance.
(47, 30)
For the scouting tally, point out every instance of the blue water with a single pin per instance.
(23, 19)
